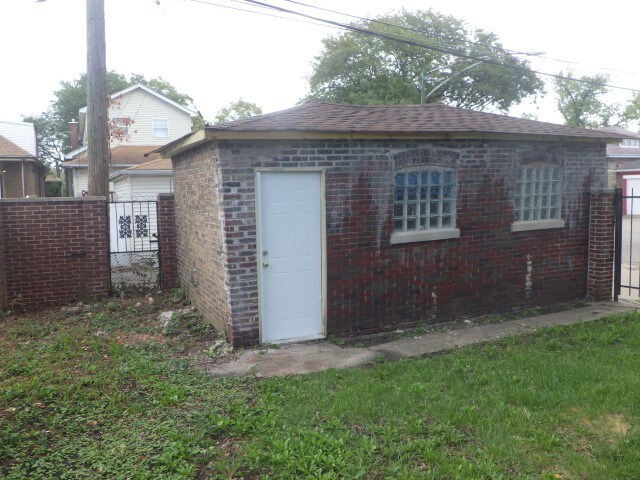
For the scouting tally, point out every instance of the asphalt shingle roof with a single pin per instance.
(121, 155)
(8, 149)
(429, 118)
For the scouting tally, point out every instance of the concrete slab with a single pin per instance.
(295, 359)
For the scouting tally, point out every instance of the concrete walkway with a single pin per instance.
(295, 359)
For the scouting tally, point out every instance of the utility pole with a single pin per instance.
(97, 122)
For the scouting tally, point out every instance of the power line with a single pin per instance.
(411, 42)
(514, 52)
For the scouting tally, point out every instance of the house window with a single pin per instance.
(424, 205)
(160, 127)
(538, 198)
(119, 128)
(630, 142)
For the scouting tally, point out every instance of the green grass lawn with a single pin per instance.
(103, 394)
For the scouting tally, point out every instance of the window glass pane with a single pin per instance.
(517, 216)
(418, 199)
(448, 178)
(543, 214)
(527, 214)
(537, 193)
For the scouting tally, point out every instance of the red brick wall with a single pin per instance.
(3, 283)
(201, 251)
(55, 250)
(371, 284)
(601, 245)
(167, 241)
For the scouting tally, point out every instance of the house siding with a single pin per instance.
(122, 189)
(148, 187)
(371, 284)
(141, 107)
(201, 251)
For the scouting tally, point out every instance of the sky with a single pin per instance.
(218, 55)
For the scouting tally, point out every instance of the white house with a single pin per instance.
(141, 120)
(144, 181)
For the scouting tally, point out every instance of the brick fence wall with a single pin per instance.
(167, 239)
(3, 283)
(55, 251)
(601, 244)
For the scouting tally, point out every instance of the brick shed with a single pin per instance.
(340, 219)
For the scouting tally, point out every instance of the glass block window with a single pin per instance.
(424, 200)
(538, 193)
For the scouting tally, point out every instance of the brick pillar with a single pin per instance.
(96, 236)
(3, 278)
(167, 241)
(601, 245)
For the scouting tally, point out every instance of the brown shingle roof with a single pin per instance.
(8, 149)
(158, 164)
(121, 156)
(431, 118)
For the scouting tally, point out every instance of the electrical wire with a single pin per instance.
(406, 41)
(513, 52)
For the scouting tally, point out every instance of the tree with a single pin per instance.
(580, 101)
(52, 125)
(237, 110)
(356, 67)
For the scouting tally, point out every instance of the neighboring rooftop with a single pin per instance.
(8, 149)
(121, 156)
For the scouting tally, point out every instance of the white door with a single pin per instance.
(290, 255)
(633, 189)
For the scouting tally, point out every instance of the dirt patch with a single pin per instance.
(617, 424)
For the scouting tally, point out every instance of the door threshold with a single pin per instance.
(286, 341)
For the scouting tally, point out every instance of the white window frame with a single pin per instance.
(154, 127)
(537, 187)
(424, 177)
(630, 143)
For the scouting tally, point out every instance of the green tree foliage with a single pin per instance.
(580, 101)
(237, 110)
(52, 126)
(358, 68)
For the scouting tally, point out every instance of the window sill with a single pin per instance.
(537, 225)
(424, 235)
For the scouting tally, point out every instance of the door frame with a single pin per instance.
(323, 241)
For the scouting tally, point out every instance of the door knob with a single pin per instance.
(265, 264)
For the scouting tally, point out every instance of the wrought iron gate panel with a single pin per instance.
(626, 276)
(133, 250)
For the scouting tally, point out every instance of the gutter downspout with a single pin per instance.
(23, 187)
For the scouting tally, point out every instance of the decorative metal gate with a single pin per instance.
(626, 276)
(134, 253)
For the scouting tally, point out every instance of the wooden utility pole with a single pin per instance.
(97, 121)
